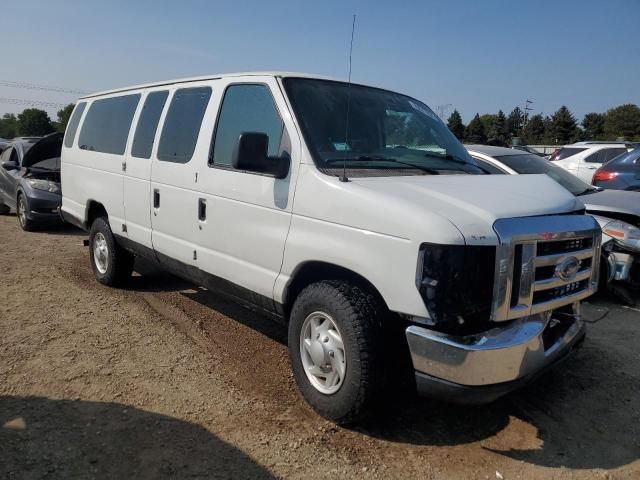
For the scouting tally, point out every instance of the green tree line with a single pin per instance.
(33, 122)
(621, 122)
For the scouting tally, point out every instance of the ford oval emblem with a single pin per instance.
(568, 268)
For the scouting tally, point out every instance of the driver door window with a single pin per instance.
(245, 108)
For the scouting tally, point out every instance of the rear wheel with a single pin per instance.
(111, 264)
(335, 349)
(22, 211)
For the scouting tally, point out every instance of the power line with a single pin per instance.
(33, 86)
(32, 103)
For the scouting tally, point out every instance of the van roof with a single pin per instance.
(208, 77)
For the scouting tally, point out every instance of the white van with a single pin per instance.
(347, 211)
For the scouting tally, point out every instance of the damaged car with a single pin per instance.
(617, 212)
(30, 180)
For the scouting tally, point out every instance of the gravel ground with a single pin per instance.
(166, 380)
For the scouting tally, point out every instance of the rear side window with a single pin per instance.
(148, 124)
(72, 126)
(604, 155)
(566, 153)
(106, 126)
(182, 124)
(246, 108)
(611, 153)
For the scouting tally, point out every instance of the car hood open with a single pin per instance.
(47, 147)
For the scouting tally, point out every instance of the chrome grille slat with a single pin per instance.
(554, 282)
(529, 249)
(555, 258)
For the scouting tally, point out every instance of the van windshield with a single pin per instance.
(386, 131)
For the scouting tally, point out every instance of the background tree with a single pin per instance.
(500, 127)
(34, 122)
(593, 125)
(534, 131)
(475, 131)
(63, 117)
(488, 123)
(564, 125)
(455, 125)
(514, 122)
(8, 126)
(622, 121)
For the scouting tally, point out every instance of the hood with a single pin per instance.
(474, 202)
(619, 201)
(44, 149)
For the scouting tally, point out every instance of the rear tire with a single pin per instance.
(22, 211)
(344, 314)
(112, 265)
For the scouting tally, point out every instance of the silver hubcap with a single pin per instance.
(322, 353)
(22, 214)
(100, 253)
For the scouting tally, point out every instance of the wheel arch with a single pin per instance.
(314, 271)
(94, 209)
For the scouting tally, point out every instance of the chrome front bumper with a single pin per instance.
(503, 355)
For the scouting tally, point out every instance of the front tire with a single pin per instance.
(335, 349)
(22, 212)
(111, 264)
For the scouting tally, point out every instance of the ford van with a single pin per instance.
(348, 212)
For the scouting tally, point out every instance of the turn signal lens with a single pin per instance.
(604, 176)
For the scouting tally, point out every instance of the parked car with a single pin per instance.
(4, 144)
(617, 212)
(621, 173)
(528, 149)
(30, 180)
(584, 158)
(348, 228)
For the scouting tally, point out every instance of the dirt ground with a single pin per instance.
(166, 380)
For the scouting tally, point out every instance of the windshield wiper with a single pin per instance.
(368, 158)
(449, 157)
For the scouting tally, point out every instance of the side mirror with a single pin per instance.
(8, 166)
(251, 154)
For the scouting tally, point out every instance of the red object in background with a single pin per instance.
(604, 176)
(554, 155)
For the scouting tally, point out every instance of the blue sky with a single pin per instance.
(480, 56)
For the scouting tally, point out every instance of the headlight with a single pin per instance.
(456, 284)
(45, 185)
(624, 234)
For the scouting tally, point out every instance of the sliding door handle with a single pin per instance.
(202, 209)
(156, 198)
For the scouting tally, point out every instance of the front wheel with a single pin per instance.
(111, 264)
(335, 349)
(22, 211)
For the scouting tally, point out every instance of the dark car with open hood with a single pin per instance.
(30, 180)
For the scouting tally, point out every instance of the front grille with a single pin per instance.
(544, 263)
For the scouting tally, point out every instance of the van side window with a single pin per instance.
(246, 108)
(72, 127)
(182, 124)
(106, 127)
(148, 124)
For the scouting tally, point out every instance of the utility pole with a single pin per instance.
(442, 110)
(527, 109)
